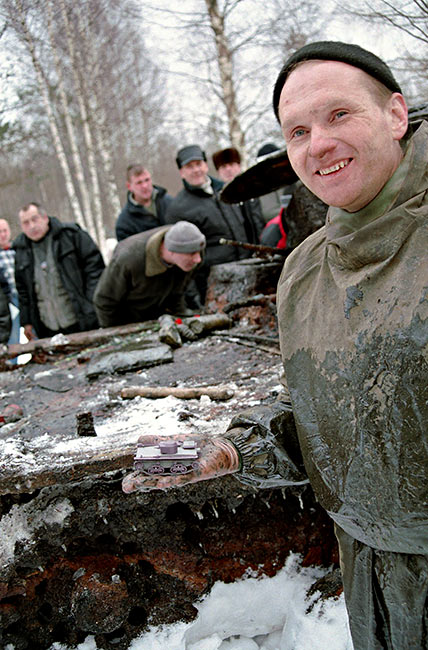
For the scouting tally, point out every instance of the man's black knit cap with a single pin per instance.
(336, 51)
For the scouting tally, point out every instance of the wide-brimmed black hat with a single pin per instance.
(268, 175)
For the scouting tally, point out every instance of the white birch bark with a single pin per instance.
(56, 138)
(98, 117)
(225, 64)
(76, 67)
(72, 137)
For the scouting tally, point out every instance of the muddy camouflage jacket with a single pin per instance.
(137, 286)
(353, 314)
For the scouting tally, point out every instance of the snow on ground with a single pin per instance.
(254, 614)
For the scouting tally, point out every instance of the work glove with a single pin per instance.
(217, 457)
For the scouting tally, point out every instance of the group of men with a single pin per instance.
(56, 273)
(199, 202)
(352, 313)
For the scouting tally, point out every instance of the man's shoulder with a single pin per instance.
(59, 228)
(134, 245)
(20, 242)
(162, 192)
(306, 256)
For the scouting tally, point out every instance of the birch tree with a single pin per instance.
(95, 205)
(232, 49)
(225, 64)
(71, 132)
(19, 14)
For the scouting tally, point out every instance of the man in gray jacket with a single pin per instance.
(353, 317)
(148, 274)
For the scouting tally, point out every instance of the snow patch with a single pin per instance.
(22, 522)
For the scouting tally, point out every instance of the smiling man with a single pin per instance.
(353, 318)
(199, 202)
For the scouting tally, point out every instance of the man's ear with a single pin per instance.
(399, 115)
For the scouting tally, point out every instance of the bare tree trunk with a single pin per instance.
(76, 66)
(99, 121)
(225, 64)
(78, 166)
(44, 91)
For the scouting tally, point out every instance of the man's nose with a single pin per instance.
(321, 142)
(197, 258)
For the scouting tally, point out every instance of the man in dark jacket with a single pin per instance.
(57, 266)
(353, 319)
(145, 206)
(228, 165)
(199, 203)
(148, 274)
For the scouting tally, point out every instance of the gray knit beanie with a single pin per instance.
(336, 51)
(184, 237)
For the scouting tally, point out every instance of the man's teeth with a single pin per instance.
(335, 168)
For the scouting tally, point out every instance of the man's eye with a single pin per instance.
(298, 133)
(340, 113)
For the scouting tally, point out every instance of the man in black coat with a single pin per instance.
(57, 267)
(199, 203)
(145, 206)
(228, 165)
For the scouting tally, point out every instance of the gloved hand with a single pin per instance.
(217, 458)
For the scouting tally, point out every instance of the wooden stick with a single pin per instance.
(250, 337)
(78, 340)
(182, 393)
(263, 348)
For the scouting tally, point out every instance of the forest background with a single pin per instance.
(90, 86)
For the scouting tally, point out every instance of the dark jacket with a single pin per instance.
(275, 232)
(136, 218)
(214, 218)
(5, 320)
(136, 285)
(254, 221)
(4, 285)
(79, 263)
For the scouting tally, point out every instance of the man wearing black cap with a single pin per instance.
(353, 317)
(148, 275)
(199, 203)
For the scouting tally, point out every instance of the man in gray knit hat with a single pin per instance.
(353, 319)
(148, 275)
